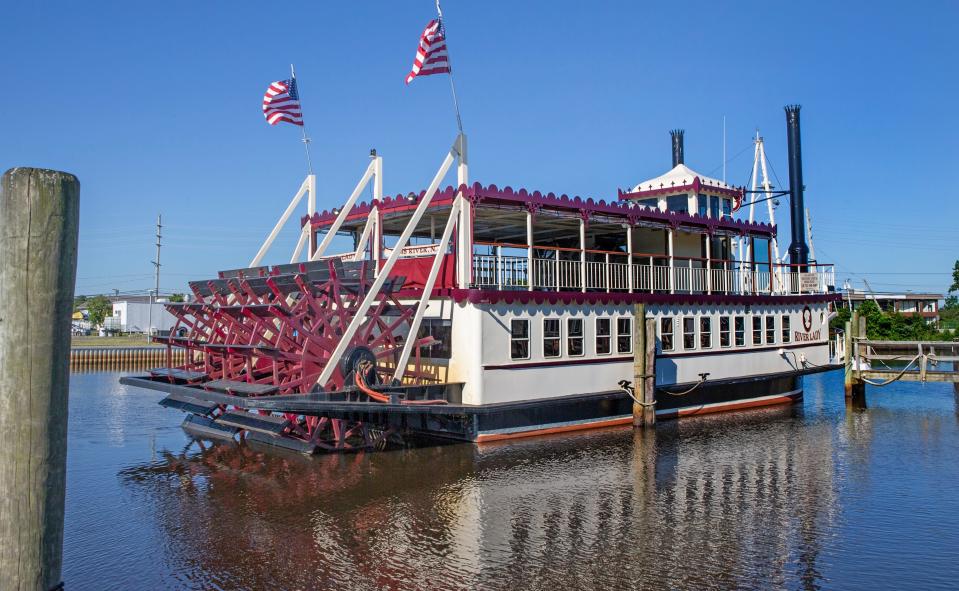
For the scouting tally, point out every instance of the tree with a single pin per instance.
(842, 317)
(99, 308)
(955, 278)
(177, 297)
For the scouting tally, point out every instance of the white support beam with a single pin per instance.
(709, 267)
(629, 258)
(304, 236)
(311, 209)
(341, 217)
(364, 307)
(304, 187)
(672, 266)
(465, 228)
(364, 238)
(375, 214)
(427, 292)
(529, 250)
(582, 254)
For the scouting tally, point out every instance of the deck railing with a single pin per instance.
(561, 269)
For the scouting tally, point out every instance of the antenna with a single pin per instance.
(724, 149)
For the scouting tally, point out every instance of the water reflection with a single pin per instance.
(736, 501)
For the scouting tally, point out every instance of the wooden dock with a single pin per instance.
(880, 363)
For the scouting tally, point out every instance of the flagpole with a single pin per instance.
(306, 139)
(456, 105)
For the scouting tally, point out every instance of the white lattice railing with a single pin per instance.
(560, 271)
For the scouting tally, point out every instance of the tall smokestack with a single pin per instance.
(798, 250)
(677, 135)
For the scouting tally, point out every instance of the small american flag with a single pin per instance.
(282, 103)
(431, 56)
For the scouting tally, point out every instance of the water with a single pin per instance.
(802, 497)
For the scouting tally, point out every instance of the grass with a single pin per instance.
(117, 341)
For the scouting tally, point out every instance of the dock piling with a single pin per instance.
(644, 368)
(39, 220)
(848, 353)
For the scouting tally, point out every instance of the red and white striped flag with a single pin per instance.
(431, 56)
(282, 103)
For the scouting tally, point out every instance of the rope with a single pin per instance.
(702, 380)
(896, 377)
(625, 387)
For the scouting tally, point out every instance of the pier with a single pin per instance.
(880, 363)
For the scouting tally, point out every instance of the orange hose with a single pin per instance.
(361, 384)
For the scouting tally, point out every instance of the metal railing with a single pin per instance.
(564, 269)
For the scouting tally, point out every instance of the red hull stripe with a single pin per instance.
(672, 413)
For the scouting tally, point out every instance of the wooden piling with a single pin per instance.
(848, 352)
(649, 392)
(644, 368)
(39, 218)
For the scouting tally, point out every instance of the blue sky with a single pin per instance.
(156, 108)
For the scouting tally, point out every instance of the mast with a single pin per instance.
(456, 105)
(306, 138)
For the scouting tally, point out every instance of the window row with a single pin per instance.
(574, 338)
(697, 331)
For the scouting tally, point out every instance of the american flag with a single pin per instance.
(431, 56)
(282, 103)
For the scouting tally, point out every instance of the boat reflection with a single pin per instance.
(720, 501)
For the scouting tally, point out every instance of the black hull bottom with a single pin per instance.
(561, 415)
(509, 420)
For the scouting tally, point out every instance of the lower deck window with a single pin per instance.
(689, 333)
(624, 335)
(705, 332)
(740, 331)
(574, 337)
(787, 336)
(519, 339)
(757, 330)
(666, 333)
(551, 345)
(604, 345)
(770, 330)
(442, 332)
(724, 331)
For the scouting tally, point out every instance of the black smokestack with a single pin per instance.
(798, 250)
(677, 135)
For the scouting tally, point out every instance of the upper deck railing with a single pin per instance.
(563, 269)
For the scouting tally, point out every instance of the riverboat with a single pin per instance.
(481, 313)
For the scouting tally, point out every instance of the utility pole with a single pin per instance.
(156, 291)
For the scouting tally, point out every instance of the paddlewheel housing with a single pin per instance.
(271, 331)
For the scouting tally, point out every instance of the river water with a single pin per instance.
(803, 497)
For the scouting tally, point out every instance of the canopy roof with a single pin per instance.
(679, 176)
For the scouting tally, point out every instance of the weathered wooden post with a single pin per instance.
(851, 326)
(649, 392)
(644, 368)
(39, 219)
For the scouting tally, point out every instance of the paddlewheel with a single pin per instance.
(270, 332)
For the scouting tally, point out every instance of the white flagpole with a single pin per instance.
(456, 105)
(306, 139)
